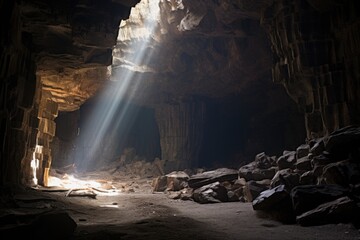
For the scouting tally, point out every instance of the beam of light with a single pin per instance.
(35, 163)
(112, 114)
(71, 182)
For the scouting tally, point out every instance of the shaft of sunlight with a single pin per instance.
(112, 109)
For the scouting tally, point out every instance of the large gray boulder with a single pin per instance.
(308, 197)
(341, 210)
(252, 172)
(217, 175)
(287, 160)
(211, 193)
(275, 203)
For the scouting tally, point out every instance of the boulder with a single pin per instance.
(275, 203)
(268, 199)
(304, 164)
(176, 180)
(323, 159)
(302, 151)
(307, 178)
(263, 161)
(341, 210)
(341, 142)
(211, 193)
(308, 197)
(252, 172)
(239, 183)
(318, 146)
(287, 160)
(253, 189)
(184, 194)
(234, 196)
(286, 177)
(218, 175)
(159, 184)
(342, 173)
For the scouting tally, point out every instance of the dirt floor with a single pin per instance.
(155, 216)
(125, 208)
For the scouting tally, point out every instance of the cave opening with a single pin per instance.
(184, 129)
(109, 127)
(140, 136)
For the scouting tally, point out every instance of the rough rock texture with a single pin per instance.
(181, 131)
(191, 49)
(18, 117)
(212, 51)
(54, 56)
(208, 177)
(317, 59)
(211, 193)
(340, 210)
(317, 192)
(73, 43)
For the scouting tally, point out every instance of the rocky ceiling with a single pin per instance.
(197, 48)
(73, 42)
(206, 48)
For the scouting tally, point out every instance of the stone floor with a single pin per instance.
(154, 216)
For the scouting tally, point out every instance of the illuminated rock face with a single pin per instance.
(73, 44)
(54, 56)
(191, 49)
(216, 49)
(202, 51)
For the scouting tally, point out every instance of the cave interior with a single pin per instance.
(252, 102)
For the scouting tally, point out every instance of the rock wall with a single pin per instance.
(236, 128)
(64, 143)
(18, 122)
(47, 112)
(54, 56)
(207, 50)
(316, 50)
(73, 43)
(181, 128)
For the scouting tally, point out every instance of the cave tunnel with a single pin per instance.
(151, 109)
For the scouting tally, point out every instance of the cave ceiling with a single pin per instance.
(198, 48)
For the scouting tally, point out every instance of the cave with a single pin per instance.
(179, 119)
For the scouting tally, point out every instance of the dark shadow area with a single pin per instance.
(158, 228)
(262, 119)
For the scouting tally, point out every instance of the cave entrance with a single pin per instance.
(176, 100)
(137, 141)
(110, 130)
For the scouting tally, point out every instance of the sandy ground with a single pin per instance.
(136, 213)
(155, 216)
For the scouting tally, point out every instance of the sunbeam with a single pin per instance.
(112, 114)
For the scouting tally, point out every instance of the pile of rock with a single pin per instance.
(317, 183)
(220, 185)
